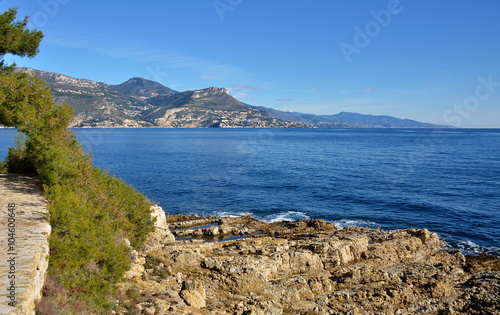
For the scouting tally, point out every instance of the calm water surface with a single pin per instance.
(445, 180)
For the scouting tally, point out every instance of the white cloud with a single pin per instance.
(244, 88)
(343, 92)
(313, 89)
(241, 95)
(208, 77)
(149, 54)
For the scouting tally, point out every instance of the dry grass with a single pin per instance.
(56, 300)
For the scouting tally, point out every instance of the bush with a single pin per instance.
(18, 161)
(159, 266)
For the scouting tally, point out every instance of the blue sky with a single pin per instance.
(433, 61)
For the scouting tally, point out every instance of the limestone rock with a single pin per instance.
(161, 235)
(193, 293)
(310, 267)
(136, 269)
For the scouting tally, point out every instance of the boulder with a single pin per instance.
(193, 293)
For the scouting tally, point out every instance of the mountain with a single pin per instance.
(143, 103)
(211, 107)
(96, 104)
(138, 102)
(142, 88)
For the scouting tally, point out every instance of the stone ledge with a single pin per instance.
(27, 257)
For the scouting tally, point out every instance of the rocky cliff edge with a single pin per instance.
(245, 266)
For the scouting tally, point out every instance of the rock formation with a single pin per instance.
(305, 267)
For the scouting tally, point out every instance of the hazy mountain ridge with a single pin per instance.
(348, 120)
(138, 102)
(381, 121)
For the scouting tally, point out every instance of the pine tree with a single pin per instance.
(16, 39)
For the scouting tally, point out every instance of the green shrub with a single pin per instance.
(4, 167)
(159, 266)
(18, 160)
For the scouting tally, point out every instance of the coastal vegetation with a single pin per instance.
(91, 213)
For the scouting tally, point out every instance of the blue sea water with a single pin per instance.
(445, 180)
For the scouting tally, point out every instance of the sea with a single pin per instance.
(445, 180)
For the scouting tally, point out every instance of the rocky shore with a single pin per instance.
(244, 266)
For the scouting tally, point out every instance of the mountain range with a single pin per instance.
(144, 103)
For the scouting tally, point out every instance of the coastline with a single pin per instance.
(246, 266)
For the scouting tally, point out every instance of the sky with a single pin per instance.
(432, 61)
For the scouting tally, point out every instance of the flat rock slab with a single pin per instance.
(24, 247)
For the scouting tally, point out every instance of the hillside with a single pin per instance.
(143, 103)
(96, 104)
(211, 107)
